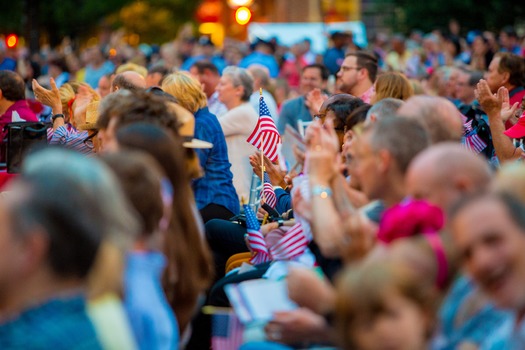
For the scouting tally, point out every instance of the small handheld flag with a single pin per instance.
(265, 135)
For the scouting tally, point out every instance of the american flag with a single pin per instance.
(265, 135)
(474, 143)
(293, 244)
(468, 126)
(255, 237)
(268, 192)
(227, 331)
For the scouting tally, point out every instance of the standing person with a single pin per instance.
(357, 75)
(58, 70)
(508, 39)
(263, 54)
(214, 192)
(208, 75)
(49, 245)
(313, 77)
(334, 56)
(399, 56)
(207, 53)
(235, 89)
(97, 66)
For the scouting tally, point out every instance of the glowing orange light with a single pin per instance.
(243, 15)
(11, 40)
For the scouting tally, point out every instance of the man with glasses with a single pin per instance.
(357, 75)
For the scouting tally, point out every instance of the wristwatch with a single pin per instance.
(59, 115)
(321, 191)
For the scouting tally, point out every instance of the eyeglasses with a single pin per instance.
(344, 69)
(320, 116)
(88, 141)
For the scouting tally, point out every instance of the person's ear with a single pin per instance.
(239, 91)
(384, 160)
(33, 252)
(506, 77)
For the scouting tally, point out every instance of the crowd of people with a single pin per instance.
(394, 209)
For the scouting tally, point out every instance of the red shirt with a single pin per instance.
(516, 95)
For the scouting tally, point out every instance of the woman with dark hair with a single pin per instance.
(189, 269)
(149, 193)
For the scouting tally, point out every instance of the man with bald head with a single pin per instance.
(442, 175)
(128, 80)
(445, 172)
(439, 116)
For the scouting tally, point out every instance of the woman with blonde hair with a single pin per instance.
(394, 85)
(214, 192)
(69, 105)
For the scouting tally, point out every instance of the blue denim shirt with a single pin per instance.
(217, 184)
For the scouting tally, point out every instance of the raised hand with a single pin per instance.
(314, 100)
(507, 111)
(83, 98)
(273, 170)
(50, 98)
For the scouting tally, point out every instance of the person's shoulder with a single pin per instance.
(293, 102)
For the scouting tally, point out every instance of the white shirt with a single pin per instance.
(215, 106)
(238, 124)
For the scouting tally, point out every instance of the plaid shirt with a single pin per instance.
(57, 324)
(217, 184)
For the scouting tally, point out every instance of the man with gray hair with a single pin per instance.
(437, 114)
(54, 219)
(128, 80)
(386, 107)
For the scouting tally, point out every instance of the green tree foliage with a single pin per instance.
(471, 14)
(74, 18)
(155, 21)
(78, 18)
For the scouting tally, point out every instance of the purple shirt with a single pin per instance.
(17, 112)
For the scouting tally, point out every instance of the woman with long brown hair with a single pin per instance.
(189, 263)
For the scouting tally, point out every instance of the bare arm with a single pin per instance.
(497, 108)
(50, 98)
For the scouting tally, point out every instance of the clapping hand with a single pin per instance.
(50, 98)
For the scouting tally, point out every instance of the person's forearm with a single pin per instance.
(505, 150)
(346, 198)
(327, 227)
